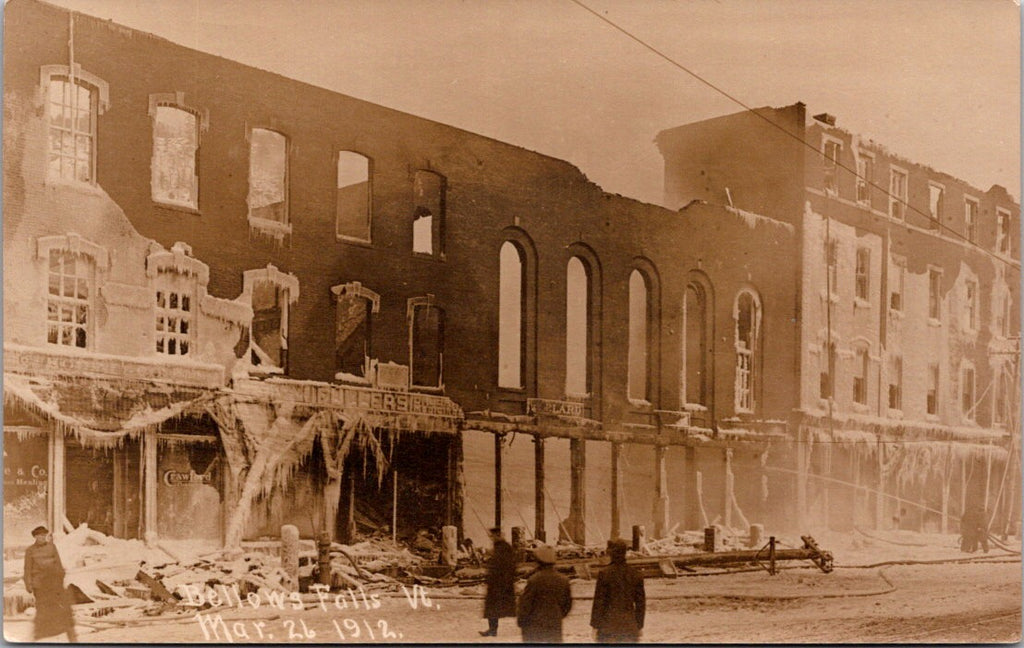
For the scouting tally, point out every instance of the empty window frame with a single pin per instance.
(577, 328)
(932, 398)
(863, 274)
(1001, 402)
(1004, 316)
(971, 305)
(638, 378)
(72, 106)
(971, 219)
(967, 387)
(860, 376)
(426, 339)
(895, 382)
(269, 333)
(865, 177)
(696, 360)
(174, 178)
(1002, 231)
(511, 339)
(68, 299)
(268, 176)
(353, 329)
(174, 315)
(899, 275)
(934, 294)
(353, 204)
(936, 203)
(832, 264)
(831, 149)
(429, 213)
(748, 323)
(897, 193)
(826, 382)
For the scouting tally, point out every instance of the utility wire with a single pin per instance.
(938, 222)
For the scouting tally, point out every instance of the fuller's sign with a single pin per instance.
(544, 406)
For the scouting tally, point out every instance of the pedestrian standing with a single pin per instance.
(545, 601)
(44, 579)
(500, 600)
(617, 614)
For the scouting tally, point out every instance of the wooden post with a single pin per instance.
(729, 490)
(394, 505)
(616, 503)
(826, 494)
(880, 489)
(578, 494)
(290, 555)
(801, 478)
(660, 493)
(449, 545)
(538, 489)
(988, 477)
(149, 456)
(946, 479)
(691, 511)
(56, 482)
(639, 537)
(497, 479)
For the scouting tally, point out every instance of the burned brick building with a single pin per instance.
(234, 300)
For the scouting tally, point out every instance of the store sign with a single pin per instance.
(543, 406)
(42, 362)
(177, 478)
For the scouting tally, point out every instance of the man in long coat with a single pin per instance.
(545, 601)
(500, 600)
(44, 578)
(619, 599)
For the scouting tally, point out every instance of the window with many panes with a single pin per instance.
(68, 299)
(72, 107)
(897, 193)
(747, 313)
(863, 273)
(971, 219)
(173, 322)
(865, 176)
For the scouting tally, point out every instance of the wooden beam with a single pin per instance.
(616, 503)
(538, 489)
(149, 454)
(497, 479)
(577, 490)
(660, 493)
(56, 504)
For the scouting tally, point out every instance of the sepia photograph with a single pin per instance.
(518, 321)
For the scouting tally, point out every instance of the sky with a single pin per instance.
(935, 81)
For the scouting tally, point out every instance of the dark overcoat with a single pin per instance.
(619, 604)
(500, 600)
(542, 606)
(44, 579)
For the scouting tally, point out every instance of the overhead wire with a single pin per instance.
(936, 221)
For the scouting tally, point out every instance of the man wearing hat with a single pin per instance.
(44, 579)
(545, 601)
(619, 599)
(500, 600)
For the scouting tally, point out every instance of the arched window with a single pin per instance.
(353, 329)
(695, 346)
(74, 98)
(638, 382)
(268, 176)
(352, 215)
(747, 313)
(426, 332)
(174, 179)
(577, 329)
(510, 317)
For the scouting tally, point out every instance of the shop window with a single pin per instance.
(863, 274)
(1002, 231)
(827, 374)
(68, 299)
(639, 337)
(73, 101)
(426, 324)
(967, 385)
(428, 215)
(971, 219)
(354, 202)
(831, 164)
(932, 402)
(173, 321)
(353, 329)
(934, 293)
(897, 194)
(860, 377)
(971, 304)
(174, 179)
(747, 312)
(577, 329)
(268, 176)
(510, 316)
(896, 382)
(936, 197)
(865, 177)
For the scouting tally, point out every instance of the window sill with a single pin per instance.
(420, 389)
(860, 302)
(861, 408)
(895, 314)
(351, 240)
(934, 322)
(895, 413)
(834, 297)
(351, 379)
(514, 391)
(933, 418)
(272, 227)
(426, 256)
(175, 207)
(90, 188)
